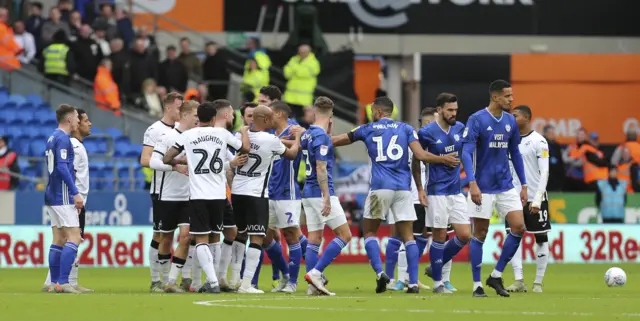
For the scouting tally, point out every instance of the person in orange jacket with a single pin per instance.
(106, 91)
(198, 94)
(595, 167)
(9, 48)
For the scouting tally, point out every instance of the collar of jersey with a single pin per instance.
(494, 117)
(172, 126)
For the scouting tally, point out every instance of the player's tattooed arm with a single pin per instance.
(323, 177)
(170, 157)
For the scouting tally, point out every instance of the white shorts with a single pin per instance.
(284, 213)
(393, 206)
(443, 210)
(313, 212)
(63, 216)
(504, 203)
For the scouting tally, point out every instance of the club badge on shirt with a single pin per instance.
(63, 153)
(545, 153)
(324, 149)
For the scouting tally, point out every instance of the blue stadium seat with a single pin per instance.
(34, 132)
(4, 97)
(46, 131)
(134, 151)
(3, 130)
(22, 146)
(30, 172)
(37, 147)
(43, 106)
(113, 132)
(23, 164)
(18, 99)
(34, 99)
(47, 117)
(102, 146)
(121, 149)
(15, 132)
(4, 90)
(107, 180)
(25, 117)
(95, 182)
(97, 165)
(27, 105)
(9, 105)
(96, 131)
(8, 116)
(140, 180)
(91, 146)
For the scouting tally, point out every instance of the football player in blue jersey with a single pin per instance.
(490, 136)
(388, 143)
(320, 204)
(62, 200)
(446, 203)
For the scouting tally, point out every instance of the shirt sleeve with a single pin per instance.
(149, 138)
(63, 150)
(424, 138)
(469, 139)
(358, 133)
(180, 142)
(412, 135)
(321, 145)
(161, 146)
(277, 146)
(234, 141)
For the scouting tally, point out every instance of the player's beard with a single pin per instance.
(451, 121)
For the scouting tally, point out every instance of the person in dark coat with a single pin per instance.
(120, 59)
(173, 73)
(556, 164)
(142, 65)
(87, 54)
(216, 72)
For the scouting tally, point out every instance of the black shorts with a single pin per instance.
(206, 216)
(82, 218)
(536, 223)
(154, 207)
(418, 224)
(168, 215)
(228, 219)
(251, 213)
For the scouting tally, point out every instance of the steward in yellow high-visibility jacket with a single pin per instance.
(256, 67)
(302, 74)
(57, 59)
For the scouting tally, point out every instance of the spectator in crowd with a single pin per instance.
(257, 61)
(149, 41)
(106, 21)
(142, 65)
(189, 59)
(594, 165)
(628, 171)
(172, 72)
(51, 26)
(150, 100)
(611, 197)
(8, 161)
(100, 36)
(75, 23)
(34, 23)
(573, 163)
(215, 70)
(124, 25)
(105, 89)
(254, 79)
(162, 91)
(26, 41)
(66, 7)
(9, 48)
(58, 62)
(556, 165)
(198, 94)
(301, 73)
(87, 53)
(631, 143)
(120, 62)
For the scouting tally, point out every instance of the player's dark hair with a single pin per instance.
(220, 104)
(384, 103)
(445, 98)
(81, 112)
(245, 106)
(206, 112)
(525, 110)
(498, 85)
(63, 111)
(281, 106)
(171, 97)
(272, 92)
(323, 104)
(427, 111)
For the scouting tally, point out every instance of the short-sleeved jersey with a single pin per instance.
(174, 186)
(283, 183)
(59, 150)
(533, 147)
(81, 167)
(492, 137)
(252, 179)
(443, 180)
(414, 187)
(387, 143)
(316, 146)
(206, 150)
(151, 137)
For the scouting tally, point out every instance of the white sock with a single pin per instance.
(48, 280)
(496, 274)
(436, 284)
(250, 265)
(155, 266)
(542, 259)
(173, 273)
(205, 258)
(446, 272)
(165, 267)
(73, 276)
(516, 263)
(196, 270)
(403, 276)
(237, 255)
(186, 270)
(477, 285)
(226, 251)
(215, 252)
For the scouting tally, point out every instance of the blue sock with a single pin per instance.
(274, 251)
(393, 246)
(295, 256)
(55, 252)
(311, 259)
(373, 252)
(475, 251)
(330, 253)
(413, 256)
(509, 248)
(435, 254)
(256, 275)
(422, 242)
(303, 244)
(67, 258)
(451, 248)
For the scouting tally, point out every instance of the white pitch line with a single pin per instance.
(225, 304)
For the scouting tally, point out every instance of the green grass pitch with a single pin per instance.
(572, 292)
